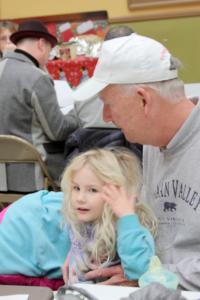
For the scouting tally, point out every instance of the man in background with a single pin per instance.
(28, 104)
(89, 112)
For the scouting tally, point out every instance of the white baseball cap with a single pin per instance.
(128, 60)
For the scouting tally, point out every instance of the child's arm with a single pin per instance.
(135, 246)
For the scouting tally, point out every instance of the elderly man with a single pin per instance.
(28, 103)
(138, 83)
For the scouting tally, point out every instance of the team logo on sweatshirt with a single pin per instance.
(169, 206)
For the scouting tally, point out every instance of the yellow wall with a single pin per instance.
(27, 8)
(180, 35)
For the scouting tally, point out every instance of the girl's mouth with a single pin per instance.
(82, 210)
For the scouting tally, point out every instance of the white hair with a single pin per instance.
(172, 89)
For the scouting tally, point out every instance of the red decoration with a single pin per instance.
(52, 28)
(73, 69)
(66, 35)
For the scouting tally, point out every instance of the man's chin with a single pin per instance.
(128, 137)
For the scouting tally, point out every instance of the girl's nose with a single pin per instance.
(81, 197)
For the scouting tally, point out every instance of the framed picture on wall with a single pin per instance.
(152, 3)
(159, 9)
(69, 25)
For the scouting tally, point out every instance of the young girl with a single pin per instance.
(6, 29)
(107, 224)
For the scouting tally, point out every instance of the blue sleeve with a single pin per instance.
(135, 246)
(32, 239)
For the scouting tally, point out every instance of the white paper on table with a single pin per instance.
(108, 292)
(14, 297)
(64, 95)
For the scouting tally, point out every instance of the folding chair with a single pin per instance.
(14, 149)
(33, 292)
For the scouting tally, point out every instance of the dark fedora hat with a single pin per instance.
(33, 28)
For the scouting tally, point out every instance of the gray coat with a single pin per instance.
(29, 109)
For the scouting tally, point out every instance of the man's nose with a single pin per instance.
(106, 114)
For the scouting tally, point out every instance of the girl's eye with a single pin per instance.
(76, 188)
(93, 190)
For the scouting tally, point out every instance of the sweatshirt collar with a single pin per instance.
(186, 133)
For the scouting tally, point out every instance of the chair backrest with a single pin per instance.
(14, 149)
(33, 292)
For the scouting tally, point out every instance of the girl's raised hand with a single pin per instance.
(120, 202)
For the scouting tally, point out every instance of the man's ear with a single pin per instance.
(145, 99)
(41, 43)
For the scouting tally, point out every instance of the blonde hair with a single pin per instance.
(120, 167)
(11, 26)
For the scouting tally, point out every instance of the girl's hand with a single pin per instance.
(120, 202)
(65, 270)
(115, 274)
